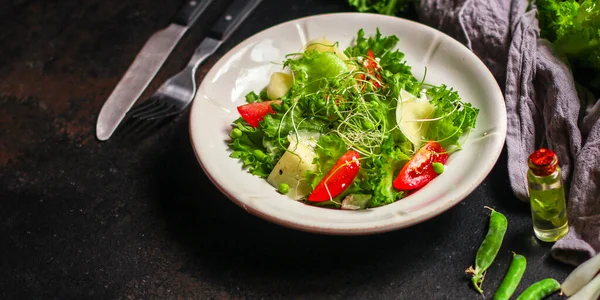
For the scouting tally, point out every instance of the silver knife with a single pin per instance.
(144, 68)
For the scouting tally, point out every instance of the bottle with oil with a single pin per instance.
(547, 196)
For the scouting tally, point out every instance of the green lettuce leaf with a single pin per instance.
(383, 170)
(329, 149)
(314, 69)
(384, 7)
(574, 28)
(382, 47)
(250, 151)
(456, 117)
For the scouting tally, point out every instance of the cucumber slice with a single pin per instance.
(294, 163)
(410, 114)
(279, 85)
(325, 45)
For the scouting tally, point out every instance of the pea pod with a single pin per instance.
(512, 278)
(540, 289)
(489, 249)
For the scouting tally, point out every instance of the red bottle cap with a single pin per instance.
(543, 162)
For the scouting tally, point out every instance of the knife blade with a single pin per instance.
(144, 67)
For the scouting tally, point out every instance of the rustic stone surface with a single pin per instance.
(139, 219)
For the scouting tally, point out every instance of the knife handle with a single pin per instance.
(190, 11)
(235, 14)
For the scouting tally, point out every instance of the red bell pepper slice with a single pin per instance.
(371, 62)
(338, 179)
(372, 67)
(418, 171)
(255, 112)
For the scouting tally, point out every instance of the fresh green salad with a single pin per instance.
(349, 129)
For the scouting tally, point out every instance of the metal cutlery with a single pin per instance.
(144, 68)
(177, 93)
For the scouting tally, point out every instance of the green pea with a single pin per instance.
(283, 188)
(374, 98)
(336, 82)
(236, 133)
(438, 167)
(263, 95)
(252, 97)
(512, 278)
(489, 249)
(322, 103)
(540, 289)
(367, 124)
(259, 154)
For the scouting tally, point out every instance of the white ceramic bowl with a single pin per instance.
(248, 66)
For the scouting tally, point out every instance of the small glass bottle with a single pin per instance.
(547, 196)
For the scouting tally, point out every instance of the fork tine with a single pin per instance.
(157, 107)
(151, 126)
(157, 114)
(142, 129)
(143, 106)
(172, 113)
(129, 126)
(136, 130)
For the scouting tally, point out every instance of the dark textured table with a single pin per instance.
(121, 219)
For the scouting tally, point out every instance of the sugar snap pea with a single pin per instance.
(540, 289)
(489, 249)
(512, 278)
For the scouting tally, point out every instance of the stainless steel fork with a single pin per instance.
(177, 93)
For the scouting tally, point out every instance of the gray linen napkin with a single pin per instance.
(544, 105)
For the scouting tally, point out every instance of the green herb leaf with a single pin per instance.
(245, 148)
(385, 7)
(329, 149)
(314, 68)
(574, 28)
(455, 116)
